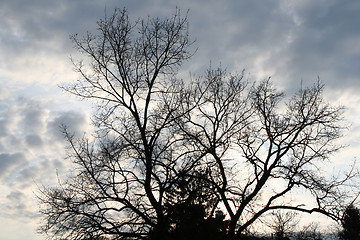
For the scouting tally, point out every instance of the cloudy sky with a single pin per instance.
(291, 41)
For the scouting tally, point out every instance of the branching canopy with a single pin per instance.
(218, 148)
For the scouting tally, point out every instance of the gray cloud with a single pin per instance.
(75, 122)
(18, 207)
(10, 162)
(33, 26)
(289, 40)
(323, 43)
(34, 141)
(21, 121)
(293, 41)
(33, 117)
(4, 93)
(15, 196)
(44, 171)
(28, 175)
(4, 127)
(8, 121)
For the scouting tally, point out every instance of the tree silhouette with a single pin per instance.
(187, 216)
(350, 224)
(168, 154)
(308, 232)
(283, 224)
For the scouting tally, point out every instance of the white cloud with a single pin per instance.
(4, 93)
(8, 120)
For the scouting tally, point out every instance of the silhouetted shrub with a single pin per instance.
(350, 224)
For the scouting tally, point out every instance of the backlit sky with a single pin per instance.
(291, 41)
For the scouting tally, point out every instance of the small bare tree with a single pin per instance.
(309, 232)
(165, 149)
(283, 224)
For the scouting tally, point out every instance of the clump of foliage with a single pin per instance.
(350, 224)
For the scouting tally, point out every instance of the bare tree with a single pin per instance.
(261, 148)
(162, 145)
(283, 224)
(123, 176)
(309, 232)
